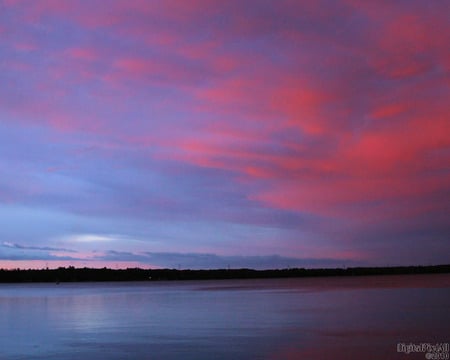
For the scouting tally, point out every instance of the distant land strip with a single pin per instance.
(72, 274)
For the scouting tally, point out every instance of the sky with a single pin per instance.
(215, 134)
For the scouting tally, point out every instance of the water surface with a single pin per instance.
(310, 318)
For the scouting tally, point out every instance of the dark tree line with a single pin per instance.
(72, 274)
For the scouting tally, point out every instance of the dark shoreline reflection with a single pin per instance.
(314, 318)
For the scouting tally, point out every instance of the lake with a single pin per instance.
(304, 318)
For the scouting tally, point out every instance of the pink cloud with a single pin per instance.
(85, 54)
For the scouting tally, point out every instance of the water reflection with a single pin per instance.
(291, 318)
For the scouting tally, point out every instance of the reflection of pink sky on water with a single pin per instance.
(349, 348)
(369, 325)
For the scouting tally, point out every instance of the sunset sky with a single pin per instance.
(208, 134)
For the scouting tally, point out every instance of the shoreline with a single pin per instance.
(72, 274)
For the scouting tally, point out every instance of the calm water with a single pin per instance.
(322, 318)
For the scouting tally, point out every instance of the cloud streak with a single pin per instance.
(40, 248)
